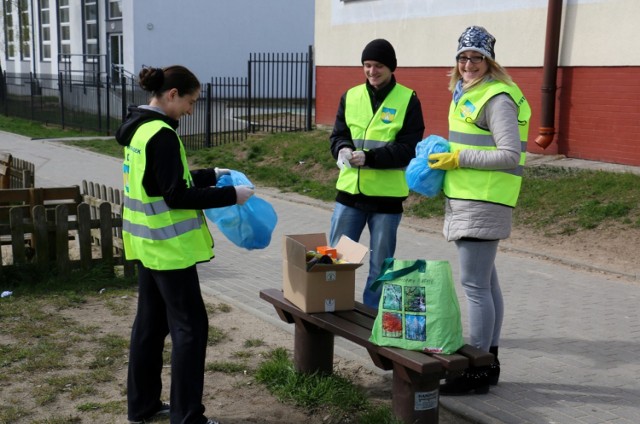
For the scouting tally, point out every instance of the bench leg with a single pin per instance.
(415, 396)
(312, 349)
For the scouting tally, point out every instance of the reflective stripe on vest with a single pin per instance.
(369, 131)
(160, 237)
(497, 186)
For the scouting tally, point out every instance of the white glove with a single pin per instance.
(243, 192)
(344, 156)
(221, 171)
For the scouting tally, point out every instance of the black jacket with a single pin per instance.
(164, 171)
(394, 155)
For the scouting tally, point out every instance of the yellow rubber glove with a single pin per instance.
(444, 161)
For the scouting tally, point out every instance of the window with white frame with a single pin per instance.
(25, 29)
(64, 23)
(115, 9)
(9, 30)
(45, 30)
(90, 30)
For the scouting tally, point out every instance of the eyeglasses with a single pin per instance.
(472, 59)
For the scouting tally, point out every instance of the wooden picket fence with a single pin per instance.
(61, 229)
(16, 172)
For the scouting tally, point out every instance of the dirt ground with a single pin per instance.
(235, 398)
(604, 249)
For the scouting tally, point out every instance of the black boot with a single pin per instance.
(494, 369)
(473, 379)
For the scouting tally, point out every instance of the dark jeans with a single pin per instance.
(169, 302)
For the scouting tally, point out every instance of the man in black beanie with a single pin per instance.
(374, 138)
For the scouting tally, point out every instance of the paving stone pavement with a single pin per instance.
(570, 344)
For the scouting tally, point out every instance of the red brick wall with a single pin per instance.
(597, 108)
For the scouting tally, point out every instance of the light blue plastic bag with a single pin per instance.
(249, 225)
(420, 177)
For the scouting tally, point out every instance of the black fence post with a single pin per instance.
(61, 88)
(249, 92)
(31, 102)
(98, 98)
(123, 83)
(276, 95)
(207, 125)
(3, 92)
(310, 62)
(108, 97)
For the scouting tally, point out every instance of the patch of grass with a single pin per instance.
(105, 146)
(553, 200)
(562, 200)
(60, 420)
(242, 354)
(223, 307)
(298, 162)
(216, 335)
(11, 413)
(226, 367)
(344, 401)
(253, 343)
(113, 407)
(35, 129)
(42, 343)
(111, 352)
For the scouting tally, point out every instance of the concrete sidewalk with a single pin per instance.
(569, 352)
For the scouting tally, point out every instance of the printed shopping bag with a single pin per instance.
(419, 307)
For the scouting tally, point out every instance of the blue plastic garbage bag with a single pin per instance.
(250, 225)
(420, 177)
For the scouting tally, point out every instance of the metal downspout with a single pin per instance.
(552, 42)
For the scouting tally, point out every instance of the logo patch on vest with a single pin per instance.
(467, 109)
(388, 115)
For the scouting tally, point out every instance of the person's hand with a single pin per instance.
(444, 161)
(344, 155)
(357, 158)
(243, 192)
(221, 171)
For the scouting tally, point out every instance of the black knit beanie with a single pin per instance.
(381, 51)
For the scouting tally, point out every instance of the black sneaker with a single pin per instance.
(163, 411)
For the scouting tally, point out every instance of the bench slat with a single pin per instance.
(416, 361)
(452, 362)
(364, 315)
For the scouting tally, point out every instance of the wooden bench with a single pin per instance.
(416, 375)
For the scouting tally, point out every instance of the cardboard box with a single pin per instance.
(324, 287)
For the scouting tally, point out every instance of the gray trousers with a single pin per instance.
(479, 279)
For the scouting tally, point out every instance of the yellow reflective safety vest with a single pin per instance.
(158, 236)
(496, 186)
(368, 131)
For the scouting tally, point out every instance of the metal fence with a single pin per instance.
(276, 96)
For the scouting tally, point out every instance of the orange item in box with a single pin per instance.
(327, 250)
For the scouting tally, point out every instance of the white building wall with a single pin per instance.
(213, 38)
(425, 32)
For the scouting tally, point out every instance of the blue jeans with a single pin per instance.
(383, 229)
(479, 279)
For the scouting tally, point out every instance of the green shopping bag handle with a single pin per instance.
(419, 265)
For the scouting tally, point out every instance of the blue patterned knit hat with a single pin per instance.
(477, 39)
